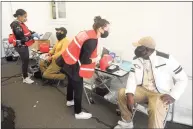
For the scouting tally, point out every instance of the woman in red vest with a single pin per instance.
(78, 61)
(21, 39)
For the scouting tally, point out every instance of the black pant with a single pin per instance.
(24, 55)
(74, 90)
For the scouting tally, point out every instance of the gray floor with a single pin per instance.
(38, 106)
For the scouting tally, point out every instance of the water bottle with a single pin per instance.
(118, 59)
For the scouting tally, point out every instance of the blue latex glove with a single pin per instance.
(36, 36)
(112, 54)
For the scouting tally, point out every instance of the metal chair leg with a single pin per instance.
(58, 83)
(173, 106)
(86, 95)
(134, 111)
(164, 124)
(172, 114)
(18, 60)
(103, 82)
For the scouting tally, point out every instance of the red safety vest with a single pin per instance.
(72, 53)
(26, 32)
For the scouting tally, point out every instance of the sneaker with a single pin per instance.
(28, 80)
(124, 125)
(30, 74)
(83, 115)
(70, 103)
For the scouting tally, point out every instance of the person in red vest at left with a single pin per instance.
(78, 61)
(21, 39)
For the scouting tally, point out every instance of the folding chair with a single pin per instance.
(90, 87)
(170, 110)
(9, 49)
(19, 58)
(103, 79)
(143, 109)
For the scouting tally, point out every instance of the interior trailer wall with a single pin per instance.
(6, 18)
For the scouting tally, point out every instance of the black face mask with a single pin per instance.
(105, 34)
(140, 51)
(60, 36)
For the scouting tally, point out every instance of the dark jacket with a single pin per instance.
(18, 32)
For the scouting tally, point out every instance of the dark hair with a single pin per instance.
(65, 31)
(19, 12)
(99, 22)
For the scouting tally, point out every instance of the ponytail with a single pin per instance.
(99, 22)
(19, 12)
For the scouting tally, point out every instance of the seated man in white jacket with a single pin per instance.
(151, 80)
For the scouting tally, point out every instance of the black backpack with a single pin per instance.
(7, 117)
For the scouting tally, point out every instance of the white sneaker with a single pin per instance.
(30, 75)
(70, 103)
(83, 115)
(124, 125)
(28, 80)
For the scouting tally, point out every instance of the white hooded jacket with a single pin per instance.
(169, 76)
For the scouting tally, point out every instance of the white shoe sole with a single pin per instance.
(122, 125)
(83, 118)
(69, 104)
(27, 82)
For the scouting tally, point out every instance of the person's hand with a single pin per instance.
(47, 54)
(94, 60)
(130, 102)
(36, 35)
(167, 99)
(49, 58)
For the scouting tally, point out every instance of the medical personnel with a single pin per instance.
(79, 60)
(22, 38)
